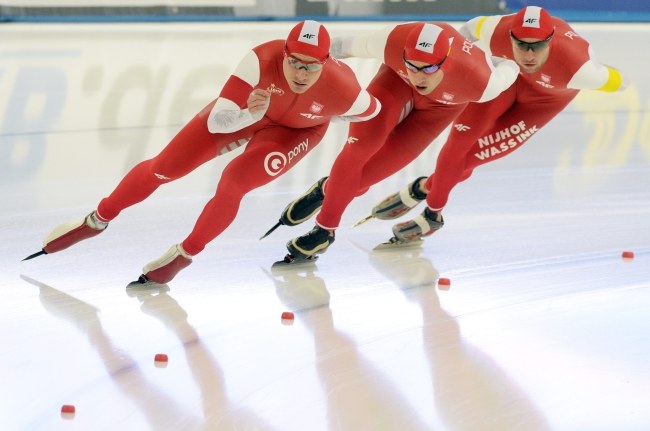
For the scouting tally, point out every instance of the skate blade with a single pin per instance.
(144, 283)
(395, 243)
(33, 255)
(277, 225)
(290, 261)
(363, 220)
(146, 291)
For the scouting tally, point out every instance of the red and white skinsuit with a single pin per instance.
(292, 126)
(408, 121)
(486, 132)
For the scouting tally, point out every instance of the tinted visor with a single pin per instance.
(534, 46)
(429, 68)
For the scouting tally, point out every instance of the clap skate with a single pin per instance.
(305, 248)
(162, 270)
(290, 260)
(397, 204)
(68, 234)
(302, 208)
(410, 233)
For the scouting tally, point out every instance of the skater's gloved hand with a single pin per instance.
(340, 47)
(258, 103)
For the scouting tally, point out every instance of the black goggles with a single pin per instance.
(429, 68)
(534, 46)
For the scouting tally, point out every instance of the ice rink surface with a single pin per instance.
(544, 326)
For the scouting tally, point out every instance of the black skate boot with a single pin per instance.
(305, 206)
(397, 204)
(316, 241)
(302, 208)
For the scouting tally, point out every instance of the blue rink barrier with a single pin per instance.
(591, 10)
(388, 10)
(586, 6)
(567, 15)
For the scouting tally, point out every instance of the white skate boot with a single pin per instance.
(410, 233)
(397, 204)
(68, 234)
(165, 268)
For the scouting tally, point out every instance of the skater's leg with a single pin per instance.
(499, 136)
(246, 172)
(474, 120)
(364, 140)
(189, 149)
(407, 141)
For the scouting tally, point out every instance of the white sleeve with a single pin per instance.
(366, 45)
(469, 28)
(479, 30)
(226, 116)
(595, 76)
(504, 74)
(248, 69)
(361, 106)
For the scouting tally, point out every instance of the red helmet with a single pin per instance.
(309, 38)
(532, 22)
(427, 43)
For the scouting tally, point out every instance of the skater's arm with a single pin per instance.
(595, 76)
(365, 107)
(227, 114)
(479, 30)
(504, 73)
(472, 28)
(366, 45)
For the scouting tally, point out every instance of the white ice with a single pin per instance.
(544, 326)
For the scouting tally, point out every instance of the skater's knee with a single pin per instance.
(361, 191)
(158, 172)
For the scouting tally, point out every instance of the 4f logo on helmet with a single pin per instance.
(425, 44)
(530, 20)
(308, 35)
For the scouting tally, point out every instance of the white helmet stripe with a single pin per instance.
(309, 32)
(428, 38)
(532, 17)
